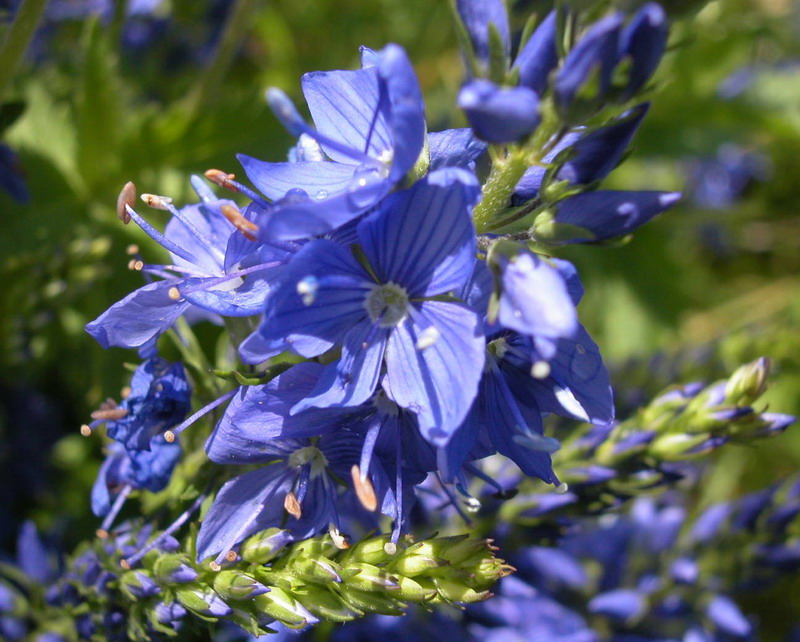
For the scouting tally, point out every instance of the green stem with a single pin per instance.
(19, 37)
(239, 21)
(506, 173)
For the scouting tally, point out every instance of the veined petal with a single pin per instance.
(577, 386)
(406, 109)
(352, 379)
(318, 179)
(243, 301)
(437, 380)
(423, 238)
(319, 297)
(345, 107)
(241, 508)
(142, 315)
(513, 434)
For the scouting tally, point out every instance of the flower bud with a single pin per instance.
(203, 601)
(371, 602)
(235, 585)
(264, 546)
(138, 584)
(748, 382)
(367, 577)
(174, 569)
(284, 607)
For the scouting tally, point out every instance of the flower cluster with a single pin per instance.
(428, 344)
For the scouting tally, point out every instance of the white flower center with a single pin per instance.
(387, 305)
(309, 455)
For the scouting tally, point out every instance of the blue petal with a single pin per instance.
(406, 109)
(644, 40)
(725, 613)
(333, 288)
(345, 107)
(352, 379)
(578, 384)
(539, 56)
(477, 15)
(239, 509)
(507, 427)
(423, 238)
(319, 179)
(596, 50)
(621, 604)
(534, 299)
(454, 148)
(438, 382)
(142, 315)
(499, 114)
(608, 214)
(245, 300)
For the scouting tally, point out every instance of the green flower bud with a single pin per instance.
(174, 569)
(546, 230)
(314, 569)
(417, 590)
(371, 601)
(748, 382)
(454, 590)
(325, 605)
(676, 447)
(203, 601)
(235, 585)
(264, 546)
(372, 551)
(367, 577)
(417, 559)
(282, 606)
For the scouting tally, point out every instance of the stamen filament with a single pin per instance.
(159, 238)
(116, 507)
(169, 435)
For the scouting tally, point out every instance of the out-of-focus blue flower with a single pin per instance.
(159, 399)
(370, 124)
(717, 183)
(391, 305)
(12, 177)
(481, 16)
(499, 114)
(144, 469)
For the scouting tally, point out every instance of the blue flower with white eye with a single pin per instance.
(216, 268)
(388, 301)
(370, 130)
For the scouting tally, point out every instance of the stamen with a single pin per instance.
(427, 338)
(101, 533)
(157, 202)
(174, 294)
(390, 548)
(125, 392)
(116, 507)
(540, 370)
(236, 219)
(292, 506)
(231, 556)
(365, 491)
(133, 559)
(159, 238)
(214, 566)
(200, 413)
(339, 540)
(110, 414)
(126, 199)
(86, 430)
(132, 249)
(136, 265)
(193, 230)
(228, 182)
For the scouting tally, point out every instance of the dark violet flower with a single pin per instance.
(215, 267)
(499, 114)
(370, 125)
(390, 303)
(160, 398)
(602, 215)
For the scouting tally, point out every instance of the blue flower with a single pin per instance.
(370, 124)
(499, 114)
(215, 267)
(296, 491)
(478, 18)
(122, 471)
(159, 399)
(389, 303)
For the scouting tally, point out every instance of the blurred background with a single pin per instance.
(154, 91)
